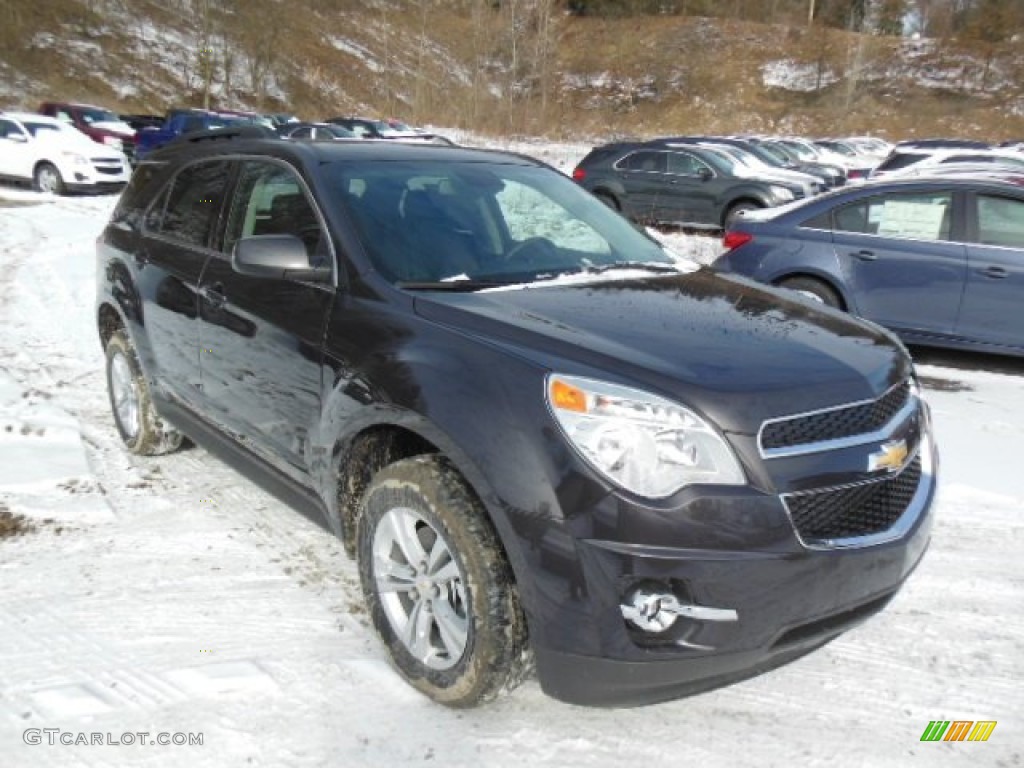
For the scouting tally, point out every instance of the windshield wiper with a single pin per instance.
(650, 266)
(453, 286)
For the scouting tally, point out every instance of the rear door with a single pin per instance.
(173, 249)
(901, 261)
(991, 309)
(261, 338)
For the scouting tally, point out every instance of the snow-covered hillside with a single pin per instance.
(171, 595)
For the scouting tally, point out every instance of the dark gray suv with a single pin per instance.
(661, 183)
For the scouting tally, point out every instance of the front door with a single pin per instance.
(261, 338)
(900, 258)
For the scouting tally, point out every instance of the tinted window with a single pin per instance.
(644, 161)
(901, 160)
(1000, 221)
(194, 201)
(191, 124)
(683, 164)
(302, 133)
(269, 200)
(821, 221)
(7, 128)
(917, 216)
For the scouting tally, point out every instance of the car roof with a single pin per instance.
(75, 104)
(195, 146)
(31, 116)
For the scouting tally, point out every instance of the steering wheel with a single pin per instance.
(532, 250)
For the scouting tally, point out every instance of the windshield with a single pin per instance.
(90, 116)
(483, 224)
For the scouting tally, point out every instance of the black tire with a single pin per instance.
(427, 498)
(737, 210)
(46, 178)
(141, 430)
(814, 289)
(608, 199)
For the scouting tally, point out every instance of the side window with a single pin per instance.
(269, 200)
(519, 207)
(302, 133)
(821, 221)
(917, 216)
(1000, 221)
(6, 128)
(683, 164)
(191, 124)
(853, 218)
(193, 202)
(645, 161)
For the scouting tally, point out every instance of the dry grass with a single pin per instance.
(457, 63)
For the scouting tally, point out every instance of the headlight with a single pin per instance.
(112, 141)
(75, 158)
(782, 193)
(639, 441)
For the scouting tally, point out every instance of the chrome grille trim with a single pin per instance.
(909, 408)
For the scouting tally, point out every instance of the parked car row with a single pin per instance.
(53, 164)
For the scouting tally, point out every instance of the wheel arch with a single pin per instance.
(821, 277)
(748, 198)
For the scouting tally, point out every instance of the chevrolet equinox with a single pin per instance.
(552, 446)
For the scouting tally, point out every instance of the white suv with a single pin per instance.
(55, 157)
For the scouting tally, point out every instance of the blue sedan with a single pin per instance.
(938, 261)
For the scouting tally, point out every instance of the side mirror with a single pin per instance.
(20, 138)
(704, 174)
(276, 256)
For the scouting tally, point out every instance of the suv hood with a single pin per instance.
(724, 345)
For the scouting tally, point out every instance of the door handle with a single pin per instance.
(997, 272)
(214, 295)
(865, 255)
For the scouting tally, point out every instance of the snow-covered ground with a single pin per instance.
(172, 596)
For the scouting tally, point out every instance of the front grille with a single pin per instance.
(108, 170)
(857, 510)
(835, 424)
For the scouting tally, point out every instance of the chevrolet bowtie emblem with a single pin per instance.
(890, 458)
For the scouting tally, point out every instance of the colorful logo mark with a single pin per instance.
(958, 730)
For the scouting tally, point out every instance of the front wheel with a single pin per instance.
(47, 178)
(141, 430)
(439, 590)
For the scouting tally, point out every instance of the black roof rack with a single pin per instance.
(229, 133)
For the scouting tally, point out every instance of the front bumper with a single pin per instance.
(788, 599)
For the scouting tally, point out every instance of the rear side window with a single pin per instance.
(914, 216)
(193, 202)
(901, 160)
(1000, 221)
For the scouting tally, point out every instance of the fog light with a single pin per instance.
(655, 610)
